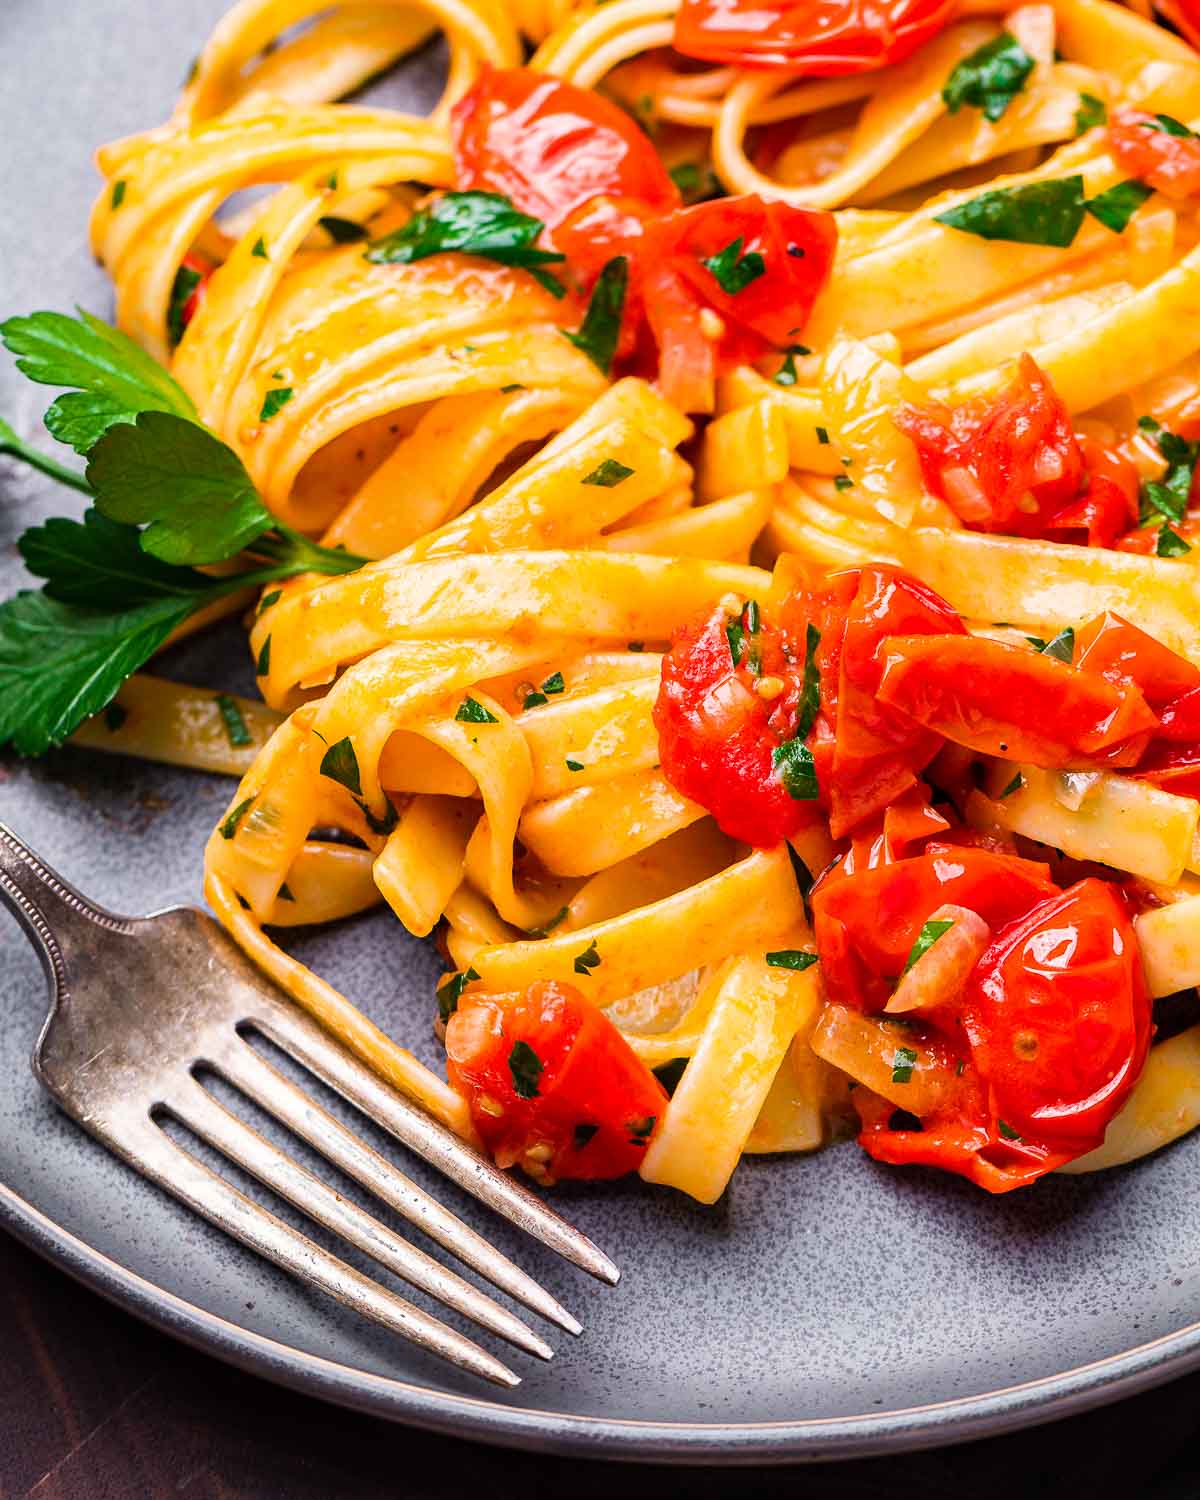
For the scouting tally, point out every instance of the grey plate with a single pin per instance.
(823, 1308)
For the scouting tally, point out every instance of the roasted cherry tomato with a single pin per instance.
(1174, 768)
(1058, 1018)
(817, 37)
(1108, 504)
(1112, 648)
(551, 147)
(551, 1083)
(1004, 700)
(866, 923)
(719, 736)
(1003, 464)
(1153, 149)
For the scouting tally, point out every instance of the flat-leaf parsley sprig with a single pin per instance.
(169, 498)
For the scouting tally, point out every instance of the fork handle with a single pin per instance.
(59, 921)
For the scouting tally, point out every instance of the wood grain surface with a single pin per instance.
(95, 1406)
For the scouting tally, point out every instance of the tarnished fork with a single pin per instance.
(141, 1005)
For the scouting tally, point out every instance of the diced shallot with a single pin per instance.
(941, 971)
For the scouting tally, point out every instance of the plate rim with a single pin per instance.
(477, 1419)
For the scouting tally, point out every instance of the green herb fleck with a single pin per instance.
(589, 959)
(1007, 1131)
(990, 78)
(117, 196)
(608, 474)
(267, 600)
(259, 249)
(450, 992)
(1168, 125)
(903, 1062)
(1170, 543)
(822, 437)
(1117, 205)
(235, 725)
(274, 401)
(340, 764)
(230, 825)
(574, 765)
(1091, 112)
(262, 666)
(1062, 647)
(842, 482)
(791, 958)
(1035, 213)
(1014, 785)
(526, 1068)
(185, 283)
(471, 711)
(547, 928)
(734, 271)
(926, 938)
(794, 763)
(600, 330)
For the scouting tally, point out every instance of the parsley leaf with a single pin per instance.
(484, 224)
(471, 711)
(926, 938)
(1062, 647)
(786, 373)
(600, 330)
(793, 760)
(340, 764)
(990, 78)
(695, 180)
(1169, 496)
(1117, 205)
(450, 991)
(734, 271)
(274, 401)
(1036, 213)
(1170, 543)
(16, 447)
(1007, 1131)
(1168, 125)
(810, 692)
(112, 379)
(235, 815)
(573, 765)
(1014, 785)
(185, 283)
(554, 683)
(1091, 112)
(588, 960)
(99, 564)
(791, 958)
(526, 1068)
(903, 1062)
(235, 724)
(607, 474)
(548, 927)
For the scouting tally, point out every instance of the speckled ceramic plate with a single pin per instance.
(823, 1308)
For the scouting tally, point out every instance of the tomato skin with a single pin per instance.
(1054, 714)
(820, 38)
(551, 147)
(985, 457)
(866, 923)
(717, 736)
(1111, 647)
(1173, 768)
(1169, 163)
(590, 1077)
(1058, 1018)
(1108, 506)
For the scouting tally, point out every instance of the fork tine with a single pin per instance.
(194, 1107)
(187, 1178)
(304, 1041)
(269, 1089)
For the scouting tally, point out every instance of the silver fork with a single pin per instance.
(140, 1005)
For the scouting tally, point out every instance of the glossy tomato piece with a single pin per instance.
(1007, 464)
(866, 923)
(1058, 1018)
(551, 147)
(1180, 719)
(1174, 768)
(760, 265)
(1023, 705)
(551, 1083)
(1111, 647)
(1147, 149)
(718, 736)
(819, 38)
(1108, 504)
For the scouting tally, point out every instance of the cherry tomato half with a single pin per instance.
(551, 1083)
(820, 38)
(551, 147)
(1147, 148)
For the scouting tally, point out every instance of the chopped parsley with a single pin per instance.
(262, 666)
(597, 335)
(588, 960)
(471, 711)
(1168, 125)
(573, 765)
(810, 692)
(117, 196)
(990, 78)
(340, 764)
(903, 1062)
(185, 283)
(230, 825)
(842, 482)
(526, 1068)
(1170, 543)
(235, 725)
(259, 250)
(1168, 496)
(791, 958)
(1117, 205)
(608, 474)
(793, 760)
(732, 270)
(1091, 112)
(450, 991)
(548, 927)
(1062, 647)
(1007, 1131)
(926, 938)
(786, 374)
(822, 437)
(1014, 785)
(274, 401)
(1035, 213)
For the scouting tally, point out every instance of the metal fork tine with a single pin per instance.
(187, 1178)
(304, 1041)
(194, 1107)
(258, 1080)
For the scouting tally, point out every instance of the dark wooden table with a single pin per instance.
(94, 1406)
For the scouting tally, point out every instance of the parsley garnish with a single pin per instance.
(274, 402)
(450, 991)
(608, 474)
(804, 878)
(267, 600)
(793, 760)
(342, 231)
(791, 958)
(573, 765)
(554, 683)
(786, 374)
(1091, 112)
(1169, 496)
(734, 271)
(822, 437)
(230, 824)
(1168, 125)
(117, 196)
(262, 666)
(589, 959)
(1036, 213)
(990, 78)
(1062, 647)
(340, 764)
(810, 693)
(259, 249)
(185, 283)
(1013, 786)
(1170, 543)
(1117, 205)
(548, 927)
(842, 482)
(471, 711)
(235, 725)
(696, 181)
(1007, 1131)
(484, 224)
(600, 330)
(526, 1068)
(903, 1062)
(926, 938)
